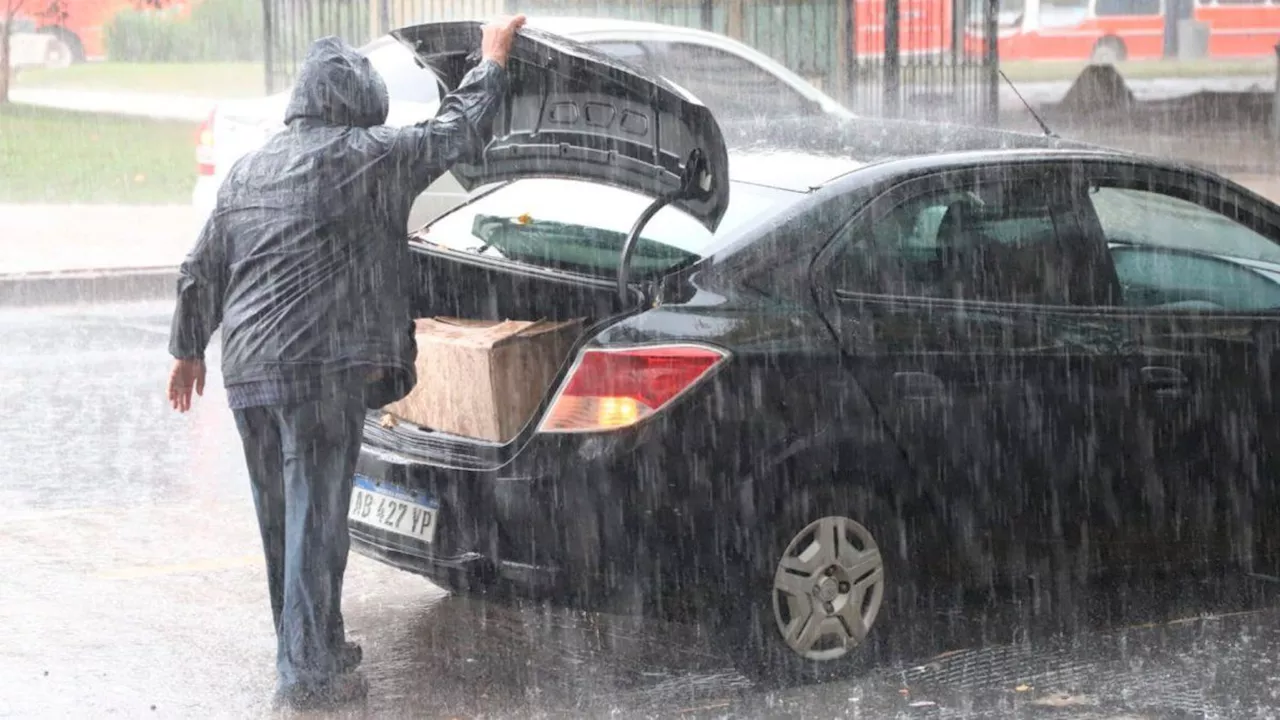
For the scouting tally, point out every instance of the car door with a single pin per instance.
(963, 301)
(1199, 265)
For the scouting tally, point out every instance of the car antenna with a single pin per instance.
(1027, 105)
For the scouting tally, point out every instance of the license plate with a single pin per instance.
(392, 509)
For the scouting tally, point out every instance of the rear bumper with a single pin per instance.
(551, 524)
(470, 571)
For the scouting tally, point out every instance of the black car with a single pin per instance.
(850, 359)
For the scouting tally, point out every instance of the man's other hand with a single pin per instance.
(495, 42)
(187, 375)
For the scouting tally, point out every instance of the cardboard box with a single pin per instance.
(484, 379)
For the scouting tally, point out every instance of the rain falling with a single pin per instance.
(639, 358)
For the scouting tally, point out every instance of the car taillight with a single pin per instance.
(611, 389)
(204, 146)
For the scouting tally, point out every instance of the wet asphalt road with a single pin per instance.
(131, 585)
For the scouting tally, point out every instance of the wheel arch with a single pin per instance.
(1113, 42)
(72, 40)
(874, 463)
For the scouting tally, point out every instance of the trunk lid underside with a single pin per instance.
(574, 112)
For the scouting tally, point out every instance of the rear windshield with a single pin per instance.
(406, 80)
(581, 226)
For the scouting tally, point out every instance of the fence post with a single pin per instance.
(734, 13)
(892, 59)
(992, 62)
(268, 56)
(1275, 101)
(846, 54)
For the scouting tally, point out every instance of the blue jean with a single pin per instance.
(301, 459)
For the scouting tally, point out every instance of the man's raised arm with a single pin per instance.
(463, 125)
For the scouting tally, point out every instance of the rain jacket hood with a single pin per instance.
(338, 86)
(304, 263)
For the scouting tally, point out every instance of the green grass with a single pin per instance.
(215, 80)
(1034, 71)
(242, 80)
(56, 156)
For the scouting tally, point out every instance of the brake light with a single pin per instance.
(204, 146)
(611, 389)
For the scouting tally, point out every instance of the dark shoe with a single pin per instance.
(349, 657)
(342, 690)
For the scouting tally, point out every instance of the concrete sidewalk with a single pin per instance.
(97, 253)
(43, 239)
(196, 109)
(56, 254)
(151, 105)
(61, 238)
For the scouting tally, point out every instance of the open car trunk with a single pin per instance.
(570, 113)
(494, 339)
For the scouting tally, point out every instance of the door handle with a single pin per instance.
(918, 386)
(1165, 381)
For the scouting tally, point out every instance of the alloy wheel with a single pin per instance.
(828, 588)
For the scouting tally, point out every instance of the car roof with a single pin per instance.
(606, 29)
(570, 26)
(787, 169)
(618, 30)
(806, 154)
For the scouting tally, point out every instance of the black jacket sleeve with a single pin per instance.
(461, 129)
(202, 283)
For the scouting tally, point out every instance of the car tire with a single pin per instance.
(753, 618)
(1109, 51)
(58, 55)
(69, 40)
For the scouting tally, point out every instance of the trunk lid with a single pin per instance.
(574, 112)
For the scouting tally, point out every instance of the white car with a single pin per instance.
(31, 49)
(732, 79)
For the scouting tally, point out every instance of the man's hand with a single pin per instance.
(495, 42)
(187, 374)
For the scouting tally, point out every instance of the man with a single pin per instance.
(304, 265)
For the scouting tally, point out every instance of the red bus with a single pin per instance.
(84, 23)
(1115, 30)
(924, 27)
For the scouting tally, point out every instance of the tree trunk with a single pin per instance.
(8, 11)
(6, 73)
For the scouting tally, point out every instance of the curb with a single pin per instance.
(147, 106)
(88, 286)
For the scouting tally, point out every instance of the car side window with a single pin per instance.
(730, 85)
(1172, 253)
(1018, 239)
(21, 25)
(626, 51)
(406, 80)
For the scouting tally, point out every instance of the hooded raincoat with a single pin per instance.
(304, 263)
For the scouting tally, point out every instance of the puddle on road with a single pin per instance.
(469, 658)
(186, 629)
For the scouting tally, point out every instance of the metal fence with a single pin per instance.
(937, 60)
(290, 26)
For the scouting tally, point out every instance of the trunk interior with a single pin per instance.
(467, 287)
(456, 285)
